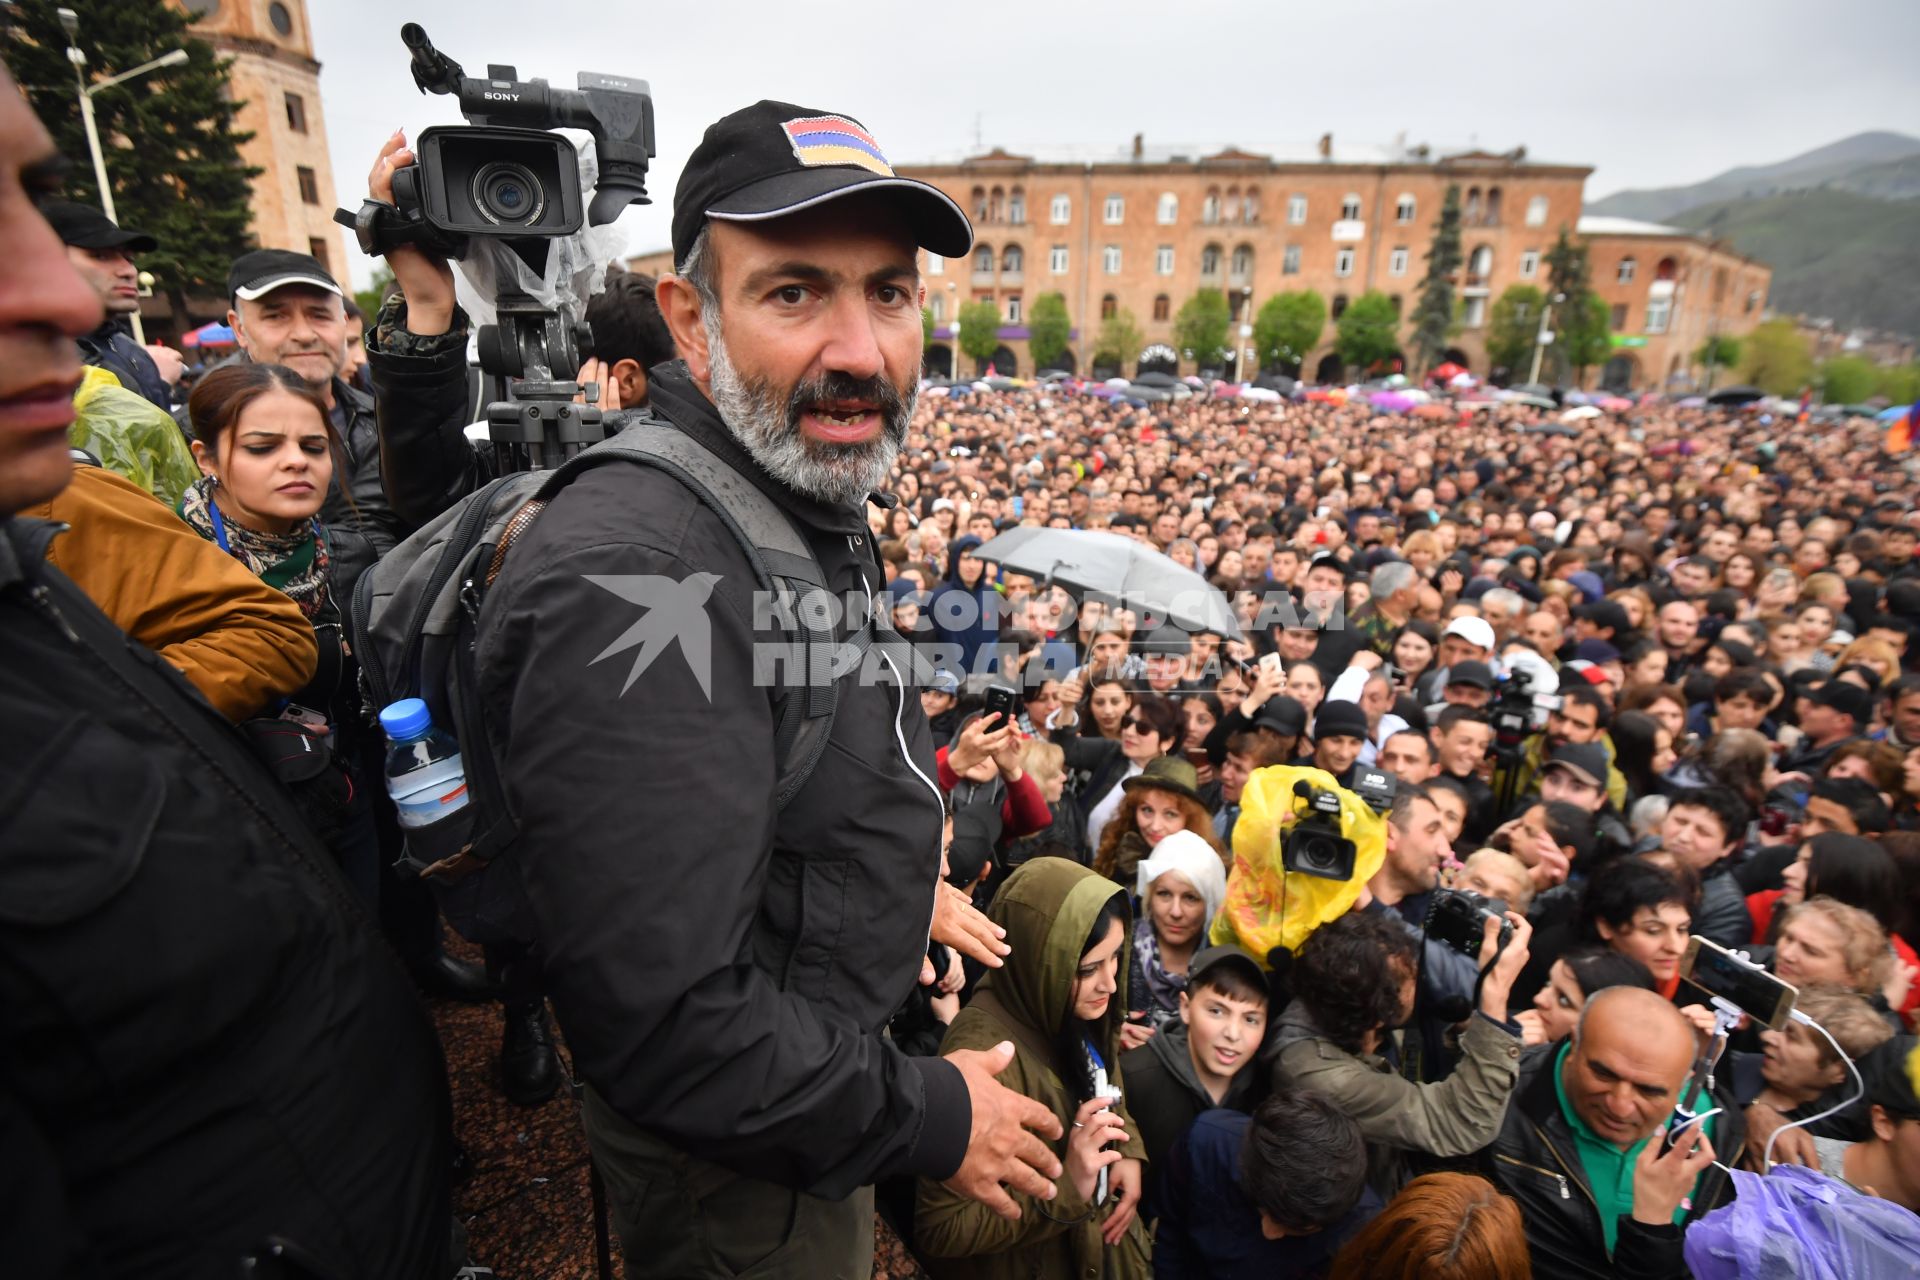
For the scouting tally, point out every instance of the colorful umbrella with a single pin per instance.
(209, 335)
(1392, 401)
(1446, 371)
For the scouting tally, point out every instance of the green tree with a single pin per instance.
(1048, 327)
(1900, 385)
(1777, 359)
(1201, 326)
(1579, 341)
(1433, 313)
(1584, 338)
(369, 298)
(1513, 325)
(926, 325)
(1368, 332)
(980, 331)
(172, 152)
(1119, 340)
(1718, 352)
(1847, 380)
(1287, 328)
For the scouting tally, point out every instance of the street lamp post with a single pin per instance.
(1544, 337)
(70, 23)
(1246, 332)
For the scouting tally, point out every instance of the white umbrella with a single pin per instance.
(1117, 567)
(1580, 413)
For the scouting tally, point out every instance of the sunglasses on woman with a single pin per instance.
(1137, 724)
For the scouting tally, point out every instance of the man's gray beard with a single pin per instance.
(762, 419)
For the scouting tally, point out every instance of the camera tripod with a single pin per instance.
(535, 350)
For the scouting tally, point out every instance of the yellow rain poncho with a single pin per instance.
(131, 437)
(1268, 907)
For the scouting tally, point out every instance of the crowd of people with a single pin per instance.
(1653, 680)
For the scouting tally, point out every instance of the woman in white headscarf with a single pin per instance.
(1181, 885)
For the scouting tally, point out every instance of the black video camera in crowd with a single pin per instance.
(1512, 712)
(1457, 918)
(1316, 846)
(505, 175)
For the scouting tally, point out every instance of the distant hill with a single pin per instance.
(1859, 159)
(1834, 253)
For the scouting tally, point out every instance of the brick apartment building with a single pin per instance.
(1143, 228)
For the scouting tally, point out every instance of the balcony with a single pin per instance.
(983, 279)
(1477, 280)
(1349, 230)
(1012, 279)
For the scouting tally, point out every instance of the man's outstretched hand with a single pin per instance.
(961, 925)
(1005, 1147)
(425, 282)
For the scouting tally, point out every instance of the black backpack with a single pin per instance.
(416, 615)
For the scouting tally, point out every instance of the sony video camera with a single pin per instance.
(1315, 846)
(506, 176)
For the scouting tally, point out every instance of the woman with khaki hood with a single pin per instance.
(1061, 999)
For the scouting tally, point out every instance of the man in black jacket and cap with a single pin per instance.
(722, 965)
(103, 255)
(203, 1042)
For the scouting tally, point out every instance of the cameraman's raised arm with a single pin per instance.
(417, 360)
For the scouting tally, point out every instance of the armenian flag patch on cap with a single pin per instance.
(825, 140)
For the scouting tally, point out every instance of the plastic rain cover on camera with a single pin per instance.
(1270, 907)
(576, 264)
(1796, 1224)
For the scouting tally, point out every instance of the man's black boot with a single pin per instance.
(529, 1067)
(445, 977)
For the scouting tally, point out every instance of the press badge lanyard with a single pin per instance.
(219, 526)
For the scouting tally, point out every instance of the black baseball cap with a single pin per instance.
(1606, 613)
(774, 158)
(256, 274)
(1285, 716)
(1586, 761)
(1477, 674)
(85, 227)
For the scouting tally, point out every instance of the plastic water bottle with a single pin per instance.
(424, 773)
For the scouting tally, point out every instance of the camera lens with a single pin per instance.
(508, 193)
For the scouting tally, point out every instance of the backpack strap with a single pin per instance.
(783, 563)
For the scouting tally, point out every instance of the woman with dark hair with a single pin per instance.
(1414, 645)
(1152, 727)
(1572, 978)
(1644, 910)
(1061, 999)
(1643, 752)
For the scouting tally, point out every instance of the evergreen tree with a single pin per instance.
(1574, 315)
(1433, 314)
(1048, 327)
(172, 153)
(1287, 328)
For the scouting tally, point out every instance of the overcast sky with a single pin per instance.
(1649, 92)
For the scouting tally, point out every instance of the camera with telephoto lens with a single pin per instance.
(1458, 918)
(1316, 846)
(505, 175)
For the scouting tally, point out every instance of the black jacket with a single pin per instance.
(1165, 1096)
(722, 970)
(112, 348)
(1095, 766)
(361, 524)
(203, 1042)
(421, 399)
(1534, 1160)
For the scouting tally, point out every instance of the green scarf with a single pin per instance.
(295, 563)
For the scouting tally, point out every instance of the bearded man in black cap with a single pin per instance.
(723, 965)
(103, 255)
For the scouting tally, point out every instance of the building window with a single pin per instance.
(996, 205)
(1493, 206)
(1343, 263)
(1013, 309)
(1116, 210)
(1617, 317)
(1403, 210)
(1012, 260)
(1350, 209)
(983, 260)
(1475, 313)
(281, 19)
(1057, 260)
(1210, 260)
(1397, 305)
(1470, 212)
(1666, 269)
(1168, 210)
(1251, 204)
(979, 203)
(1110, 259)
(1163, 260)
(1017, 207)
(1397, 262)
(1243, 261)
(1753, 301)
(317, 248)
(1210, 207)
(1162, 306)
(1624, 274)
(936, 265)
(1109, 307)
(296, 113)
(1658, 310)
(1296, 210)
(309, 185)
(1290, 261)
(937, 307)
(1537, 212)
(1480, 265)
(1060, 210)
(1339, 307)
(1529, 264)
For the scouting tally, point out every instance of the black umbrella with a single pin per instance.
(1276, 382)
(1736, 395)
(1155, 379)
(1149, 392)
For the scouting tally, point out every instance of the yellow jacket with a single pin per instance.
(241, 643)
